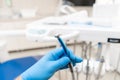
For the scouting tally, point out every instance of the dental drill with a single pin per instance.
(84, 50)
(88, 64)
(99, 51)
(66, 53)
(99, 64)
(100, 68)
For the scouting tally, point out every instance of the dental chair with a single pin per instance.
(11, 68)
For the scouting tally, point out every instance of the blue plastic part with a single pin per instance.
(11, 69)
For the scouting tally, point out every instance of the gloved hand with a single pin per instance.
(49, 64)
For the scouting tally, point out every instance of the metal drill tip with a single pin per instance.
(57, 35)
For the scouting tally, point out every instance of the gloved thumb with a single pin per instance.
(61, 63)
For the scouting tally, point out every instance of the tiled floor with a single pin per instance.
(65, 73)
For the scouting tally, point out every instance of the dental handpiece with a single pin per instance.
(66, 53)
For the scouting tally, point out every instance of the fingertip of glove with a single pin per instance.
(78, 59)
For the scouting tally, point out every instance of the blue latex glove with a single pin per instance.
(49, 64)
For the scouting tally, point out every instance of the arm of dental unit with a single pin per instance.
(86, 32)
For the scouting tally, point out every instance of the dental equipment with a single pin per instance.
(90, 49)
(99, 51)
(66, 53)
(87, 68)
(88, 60)
(100, 68)
(100, 62)
(84, 50)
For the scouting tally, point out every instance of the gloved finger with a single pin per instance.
(55, 54)
(61, 63)
(77, 59)
(74, 58)
(73, 62)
